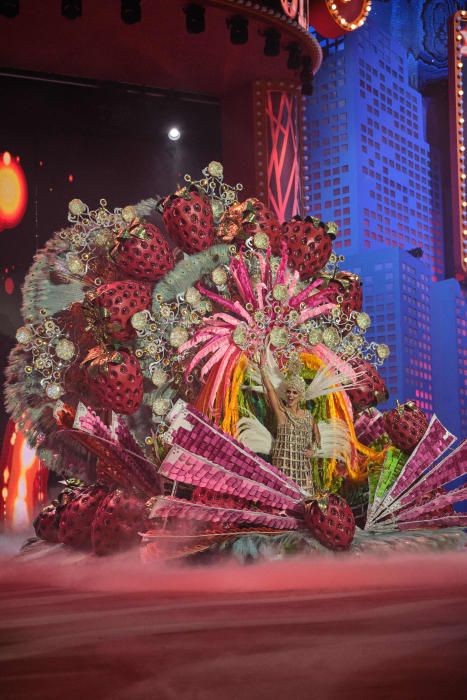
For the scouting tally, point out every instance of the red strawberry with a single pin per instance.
(77, 517)
(406, 426)
(331, 521)
(372, 389)
(142, 252)
(46, 523)
(117, 522)
(309, 245)
(115, 379)
(109, 309)
(345, 289)
(264, 222)
(189, 220)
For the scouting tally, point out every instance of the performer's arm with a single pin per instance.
(271, 394)
(316, 433)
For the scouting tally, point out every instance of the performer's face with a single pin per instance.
(291, 397)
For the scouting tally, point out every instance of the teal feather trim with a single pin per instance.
(252, 547)
(188, 271)
(48, 285)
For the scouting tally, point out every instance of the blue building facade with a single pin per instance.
(449, 338)
(370, 167)
(396, 293)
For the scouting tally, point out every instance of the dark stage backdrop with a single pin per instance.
(90, 141)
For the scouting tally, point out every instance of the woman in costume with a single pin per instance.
(297, 434)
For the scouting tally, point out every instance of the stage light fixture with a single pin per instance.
(130, 11)
(238, 26)
(272, 42)
(194, 18)
(294, 60)
(9, 8)
(71, 9)
(174, 133)
(306, 76)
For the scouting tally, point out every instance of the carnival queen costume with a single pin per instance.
(135, 376)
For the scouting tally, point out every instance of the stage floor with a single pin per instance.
(328, 629)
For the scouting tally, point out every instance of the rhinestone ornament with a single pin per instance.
(65, 349)
(215, 169)
(76, 207)
(261, 241)
(161, 406)
(75, 265)
(383, 351)
(315, 336)
(178, 336)
(128, 214)
(239, 335)
(24, 335)
(159, 377)
(280, 292)
(363, 321)
(331, 337)
(192, 296)
(279, 337)
(219, 276)
(54, 391)
(139, 320)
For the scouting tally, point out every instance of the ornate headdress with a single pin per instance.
(296, 382)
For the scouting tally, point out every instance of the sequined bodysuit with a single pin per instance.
(293, 438)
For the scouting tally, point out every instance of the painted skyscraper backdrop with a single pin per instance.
(372, 167)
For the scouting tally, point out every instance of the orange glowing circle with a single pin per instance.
(13, 192)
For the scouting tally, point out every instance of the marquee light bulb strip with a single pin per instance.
(460, 47)
(336, 8)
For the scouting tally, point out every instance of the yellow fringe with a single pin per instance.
(332, 414)
(372, 456)
(229, 424)
(335, 405)
(311, 361)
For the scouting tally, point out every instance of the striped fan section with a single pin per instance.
(196, 434)
(169, 507)
(393, 465)
(450, 468)
(183, 466)
(436, 440)
(439, 506)
(369, 426)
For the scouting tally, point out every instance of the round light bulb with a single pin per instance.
(174, 134)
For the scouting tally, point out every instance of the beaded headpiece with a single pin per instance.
(296, 382)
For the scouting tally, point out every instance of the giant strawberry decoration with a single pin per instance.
(109, 309)
(331, 521)
(46, 523)
(405, 425)
(142, 252)
(115, 379)
(117, 522)
(189, 219)
(262, 220)
(371, 390)
(77, 517)
(345, 289)
(309, 245)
